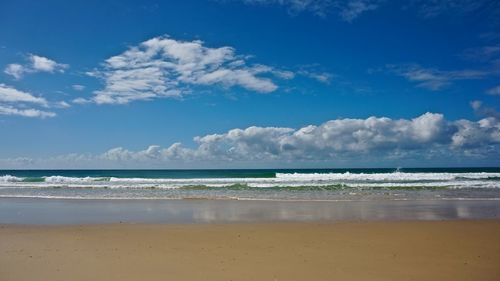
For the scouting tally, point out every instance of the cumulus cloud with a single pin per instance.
(378, 138)
(15, 102)
(35, 64)
(15, 70)
(481, 134)
(332, 140)
(44, 64)
(338, 139)
(164, 67)
(435, 79)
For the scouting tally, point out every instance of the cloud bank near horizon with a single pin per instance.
(429, 136)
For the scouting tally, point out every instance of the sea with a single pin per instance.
(256, 184)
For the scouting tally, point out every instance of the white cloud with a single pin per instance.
(15, 70)
(333, 140)
(29, 112)
(81, 101)
(435, 79)
(61, 104)
(11, 95)
(480, 134)
(36, 64)
(164, 67)
(429, 136)
(15, 102)
(44, 64)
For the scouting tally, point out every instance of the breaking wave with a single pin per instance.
(312, 181)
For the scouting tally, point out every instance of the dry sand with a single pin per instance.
(444, 250)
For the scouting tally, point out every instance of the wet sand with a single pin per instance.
(89, 211)
(415, 250)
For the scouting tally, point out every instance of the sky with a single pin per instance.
(249, 84)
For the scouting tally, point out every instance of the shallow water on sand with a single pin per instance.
(66, 211)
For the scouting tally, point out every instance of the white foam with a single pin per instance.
(61, 179)
(361, 180)
(389, 177)
(9, 178)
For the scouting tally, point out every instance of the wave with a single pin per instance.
(395, 176)
(402, 180)
(62, 179)
(50, 179)
(265, 186)
(9, 178)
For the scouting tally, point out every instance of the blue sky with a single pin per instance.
(254, 83)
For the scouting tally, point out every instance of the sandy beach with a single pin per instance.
(437, 250)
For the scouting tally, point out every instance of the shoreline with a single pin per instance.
(245, 199)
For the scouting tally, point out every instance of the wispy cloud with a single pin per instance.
(15, 102)
(490, 35)
(482, 54)
(78, 87)
(435, 79)
(434, 8)
(347, 10)
(320, 76)
(163, 67)
(35, 64)
(81, 101)
(495, 91)
(351, 10)
(317, 7)
(482, 110)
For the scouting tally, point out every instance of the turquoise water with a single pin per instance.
(277, 184)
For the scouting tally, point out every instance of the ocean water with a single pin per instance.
(303, 185)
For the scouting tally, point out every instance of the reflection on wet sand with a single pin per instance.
(57, 211)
